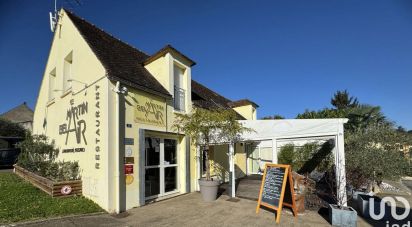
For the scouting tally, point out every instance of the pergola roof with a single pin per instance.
(291, 128)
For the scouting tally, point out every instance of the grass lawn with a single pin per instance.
(20, 201)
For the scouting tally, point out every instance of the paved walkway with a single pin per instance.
(190, 210)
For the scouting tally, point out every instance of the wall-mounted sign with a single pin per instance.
(128, 141)
(150, 111)
(128, 152)
(128, 168)
(66, 190)
(129, 160)
(129, 179)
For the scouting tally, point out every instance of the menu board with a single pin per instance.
(272, 186)
(277, 189)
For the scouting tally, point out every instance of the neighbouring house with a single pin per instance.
(21, 115)
(84, 107)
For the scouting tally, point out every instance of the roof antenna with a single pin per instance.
(53, 17)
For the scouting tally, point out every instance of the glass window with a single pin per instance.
(170, 179)
(52, 81)
(152, 151)
(152, 182)
(170, 152)
(67, 71)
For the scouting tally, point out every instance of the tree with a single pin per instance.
(401, 129)
(274, 117)
(342, 100)
(206, 127)
(373, 154)
(10, 129)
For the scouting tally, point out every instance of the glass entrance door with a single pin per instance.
(160, 167)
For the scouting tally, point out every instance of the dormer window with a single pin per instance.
(179, 91)
(52, 84)
(67, 71)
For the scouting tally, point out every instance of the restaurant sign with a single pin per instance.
(150, 111)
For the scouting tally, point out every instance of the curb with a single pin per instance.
(50, 219)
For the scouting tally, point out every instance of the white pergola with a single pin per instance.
(297, 129)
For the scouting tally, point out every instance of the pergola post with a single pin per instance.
(340, 167)
(274, 151)
(197, 187)
(232, 170)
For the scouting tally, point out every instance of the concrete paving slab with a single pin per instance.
(190, 210)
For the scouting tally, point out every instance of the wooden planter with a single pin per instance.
(53, 188)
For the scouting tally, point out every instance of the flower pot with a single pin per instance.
(364, 206)
(344, 216)
(208, 189)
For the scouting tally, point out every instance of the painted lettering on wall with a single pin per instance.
(75, 125)
(150, 111)
(98, 122)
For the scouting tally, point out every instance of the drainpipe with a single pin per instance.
(120, 129)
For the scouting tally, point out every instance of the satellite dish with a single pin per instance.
(52, 21)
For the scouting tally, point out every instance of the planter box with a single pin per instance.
(53, 188)
(355, 198)
(346, 216)
(364, 204)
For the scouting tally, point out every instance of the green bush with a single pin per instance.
(39, 156)
(306, 158)
(287, 155)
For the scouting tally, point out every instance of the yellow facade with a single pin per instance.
(82, 116)
(247, 111)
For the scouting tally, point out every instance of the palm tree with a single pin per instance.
(342, 100)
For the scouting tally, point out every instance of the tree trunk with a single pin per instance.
(207, 162)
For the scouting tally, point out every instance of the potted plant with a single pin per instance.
(206, 127)
(339, 215)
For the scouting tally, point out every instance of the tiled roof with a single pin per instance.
(122, 62)
(166, 49)
(19, 114)
(205, 98)
(242, 102)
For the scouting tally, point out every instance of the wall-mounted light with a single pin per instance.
(73, 80)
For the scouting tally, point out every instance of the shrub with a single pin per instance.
(373, 154)
(287, 155)
(306, 158)
(39, 156)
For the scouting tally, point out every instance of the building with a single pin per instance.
(21, 115)
(111, 106)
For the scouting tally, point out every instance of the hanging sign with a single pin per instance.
(277, 189)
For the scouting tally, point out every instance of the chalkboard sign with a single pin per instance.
(277, 189)
(272, 186)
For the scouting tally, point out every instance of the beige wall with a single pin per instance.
(52, 117)
(247, 111)
(163, 70)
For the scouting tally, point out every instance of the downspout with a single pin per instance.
(120, 129)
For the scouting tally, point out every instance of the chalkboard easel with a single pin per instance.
(277, 189)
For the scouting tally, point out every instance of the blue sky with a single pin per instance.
(287, 56)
